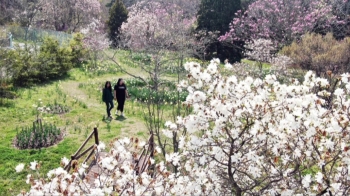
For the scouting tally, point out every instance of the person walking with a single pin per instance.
(107, 97)
(120, 94)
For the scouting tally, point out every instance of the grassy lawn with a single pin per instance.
(250, 62)
(81, 94)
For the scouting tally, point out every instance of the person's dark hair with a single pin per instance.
(110, 85)
(118, 83)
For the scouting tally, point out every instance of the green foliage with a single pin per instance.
(29, 64)
(216, 15)
(53, 60)
(78, 52)
(320, 53)
(138, 90)
(38, 136)
(57, 108)
(117, 15)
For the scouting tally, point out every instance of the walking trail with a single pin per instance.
(130, 126)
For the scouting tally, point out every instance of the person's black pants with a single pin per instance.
(109, 107)
(120, 104)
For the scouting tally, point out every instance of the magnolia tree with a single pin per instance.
(260, 50)
(244, 137)
(155, 26)
(157, 33)
(281, 21)
(67, 15)
(264, 51)
(95, 39)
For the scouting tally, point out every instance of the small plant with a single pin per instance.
(139, 91)
(81, 85)
(82, 104)
(57, 109)
(64, 99)
(38, 136)
(76, 128)
(29, 95)
(108, 127)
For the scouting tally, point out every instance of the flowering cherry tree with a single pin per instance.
(95, 39)
(154, 26)
(244, 137)
(67, 15)
(280, 20)
(260, 50)
(157, 33)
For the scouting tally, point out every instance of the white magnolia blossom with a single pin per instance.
(260, 50)
(19, 167)
(246, 136)
(33, 165)
(64, 161)
(101, 147)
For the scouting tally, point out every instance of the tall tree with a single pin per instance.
(283, 21)
(158, 35)
(7, 10)
(67, 15)
(117, 15)
(215, 16)
(127, 3)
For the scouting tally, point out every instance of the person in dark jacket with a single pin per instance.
(120, 94)
(107, 97)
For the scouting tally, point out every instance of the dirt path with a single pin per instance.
(131, 125)
(72, 89)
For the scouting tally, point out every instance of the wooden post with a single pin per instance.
(151, 146)
(96, 136)
(41, 125)
(72, 158)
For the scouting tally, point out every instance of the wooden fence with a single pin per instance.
(78, 155)
(142, 163)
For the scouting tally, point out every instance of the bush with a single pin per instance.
(320, 53)
(57, 108)
(30, 64)
(38, 136)
(53, 60)
(138, 90)
(78, 52)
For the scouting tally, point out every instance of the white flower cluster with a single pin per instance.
(260, 50)
(244, 137)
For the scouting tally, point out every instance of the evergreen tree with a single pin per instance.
(117, 15)
(127, 3)
(109, 5)
(216, 15)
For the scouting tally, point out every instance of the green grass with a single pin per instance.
(250, 62)
(81, 93)
(83, 116)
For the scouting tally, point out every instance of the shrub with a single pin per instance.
(38, 136)
(30, 64)
(320, 53)
(138, 90)
(57, 108)
(53, 60)
(78, 52)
